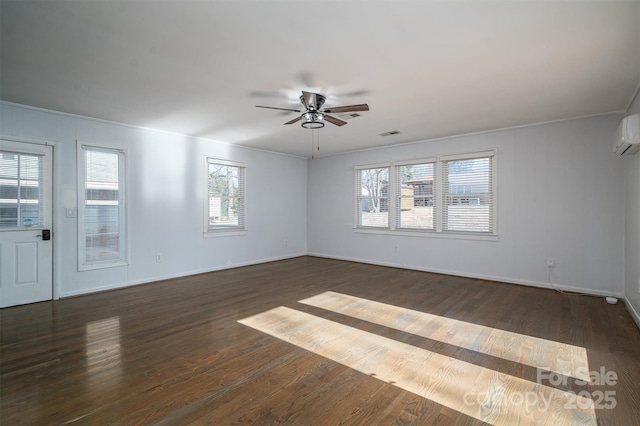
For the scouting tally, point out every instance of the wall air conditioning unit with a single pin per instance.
(627, 139)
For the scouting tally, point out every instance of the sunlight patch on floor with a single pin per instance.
(479, 392)
(568, 360)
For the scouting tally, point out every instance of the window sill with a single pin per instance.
(224, 233)
(92, 266)
(428, 234)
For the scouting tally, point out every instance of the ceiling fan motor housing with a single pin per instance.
(313, 101)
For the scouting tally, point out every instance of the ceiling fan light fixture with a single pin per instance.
(312, 120)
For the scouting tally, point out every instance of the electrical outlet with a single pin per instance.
(396, 249)
(638, 286)
(159, 257)
(551, 262)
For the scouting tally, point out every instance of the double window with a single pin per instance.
(447, 194)
(101, 207)
(225, 196)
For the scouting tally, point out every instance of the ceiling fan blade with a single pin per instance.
(265, 94)
(334, 120)
(348, 108)
(353, 93)
(281, 109)
(294, 120)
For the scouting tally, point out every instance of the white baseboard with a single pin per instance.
(592, 292)
(508, 280)
(125, 284)
(632, 311)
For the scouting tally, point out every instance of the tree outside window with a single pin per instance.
(225, 189)
(373, 197)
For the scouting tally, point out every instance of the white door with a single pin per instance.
(26, 255)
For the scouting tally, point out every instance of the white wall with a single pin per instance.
(165, 196)
(560, 194)
(632, 225)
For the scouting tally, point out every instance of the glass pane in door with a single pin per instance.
(20, 190)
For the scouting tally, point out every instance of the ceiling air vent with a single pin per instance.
(393, 132)
(349, 116)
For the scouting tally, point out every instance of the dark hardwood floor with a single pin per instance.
(319, 341)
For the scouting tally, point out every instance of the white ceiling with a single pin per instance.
(426, 68)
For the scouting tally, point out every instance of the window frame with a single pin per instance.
(439, 208)
(492, 213)
(358, 196)
(123, 238)
(241, 228)
(397, 185)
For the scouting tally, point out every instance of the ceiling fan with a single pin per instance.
(313, 116)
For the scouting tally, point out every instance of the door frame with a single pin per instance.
(55, 202)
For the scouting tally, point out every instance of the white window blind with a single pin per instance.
(226, 204)
(102, 213)
(452, 194)
(372, 197)
(21, 195)
(415, 196)
(468, 194)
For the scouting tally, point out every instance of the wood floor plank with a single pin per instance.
(177, 351)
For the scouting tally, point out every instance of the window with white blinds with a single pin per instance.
(415, 206)
(21, 195)
(467, 195)
(446, 194)
(226, 203)
(372, 197)
(101, 207)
